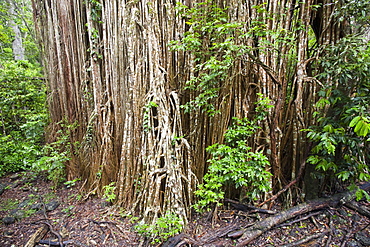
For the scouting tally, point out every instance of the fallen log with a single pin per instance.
(254, 231)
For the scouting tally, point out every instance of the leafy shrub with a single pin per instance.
(341, 137)
(56, 154)
(234, 163)
(53, 162)
(164, 227)
(109, 192)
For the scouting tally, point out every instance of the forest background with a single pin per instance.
(170, 106)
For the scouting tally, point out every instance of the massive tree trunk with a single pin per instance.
(110, 70)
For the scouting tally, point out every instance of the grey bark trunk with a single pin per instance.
(18, 48)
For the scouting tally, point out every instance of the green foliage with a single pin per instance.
(8, 204)
(218, 44)
(164, 227)
(212, 40)
(93, 30)
(147, 113)
(356, 12)
(22, 114)
(53, 162)
(71, 183)
(361, 125)
(360, 193)
(96, 10)
(56, 154)
(23, 18)
(342, 135)
(109, 192)
(234, 163)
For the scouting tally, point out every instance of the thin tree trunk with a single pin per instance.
(17, 45)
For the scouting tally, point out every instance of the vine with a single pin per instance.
(212, 39)
(217, 44)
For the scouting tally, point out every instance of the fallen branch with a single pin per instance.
(210, 237)
(37, 236)
(354, 206)
(252, 232)
(54, 243)
(307, 239)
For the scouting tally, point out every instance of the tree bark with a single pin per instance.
(17, 45)
(112, 75)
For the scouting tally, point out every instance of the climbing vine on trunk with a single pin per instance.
(152, 85)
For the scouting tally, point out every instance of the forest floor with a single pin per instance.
(31, 202)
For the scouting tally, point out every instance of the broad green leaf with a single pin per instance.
(364, 130)
(358, 127)
(344, 175)
(354, 121)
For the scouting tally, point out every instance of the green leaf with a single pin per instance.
(358, 127)
(354, 121)
(364, 129)
(364, 176)
(344, 175)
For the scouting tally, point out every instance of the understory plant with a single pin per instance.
(341, 136)
(56, 154)
(109, 192)
(164, 227)
(234, 163)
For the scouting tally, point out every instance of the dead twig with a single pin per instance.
(354, 206)
(328, 241)
(286, 187)
(54, 232)
(97, 223)
(308, 238)
(53, 243)
(71, 241)
(348, 235)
